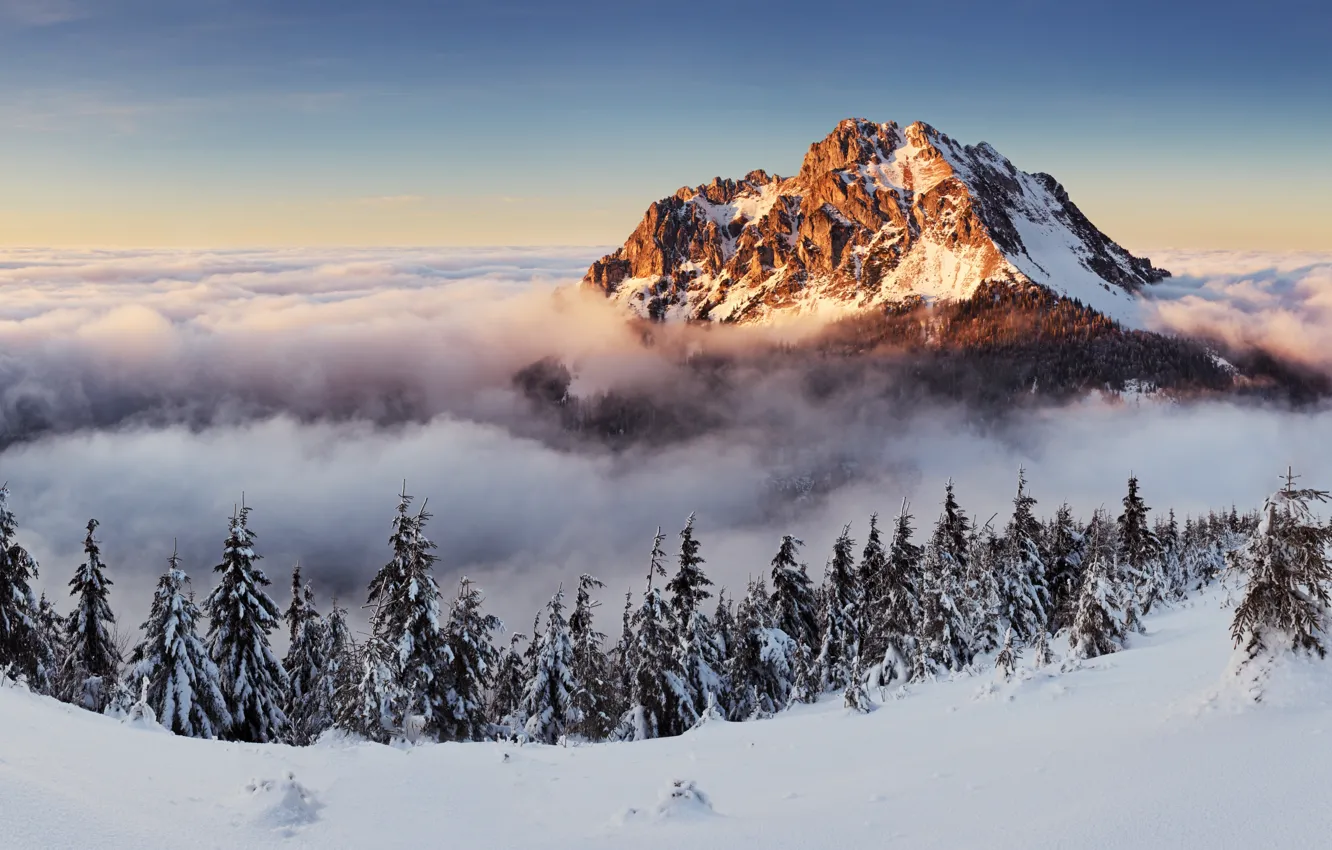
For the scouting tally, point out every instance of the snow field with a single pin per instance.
(1149, 747)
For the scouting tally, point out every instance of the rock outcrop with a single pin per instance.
(877, 214)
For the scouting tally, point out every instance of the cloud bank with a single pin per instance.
(1281, 303)
(152, 388)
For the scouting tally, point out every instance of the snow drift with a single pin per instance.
(1115, 752)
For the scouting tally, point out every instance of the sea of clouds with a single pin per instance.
(153, 388)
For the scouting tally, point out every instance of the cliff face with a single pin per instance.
(876, 215)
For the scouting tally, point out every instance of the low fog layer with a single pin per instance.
(1281, 303)
(155, 387)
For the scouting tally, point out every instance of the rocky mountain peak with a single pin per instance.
(877, 214)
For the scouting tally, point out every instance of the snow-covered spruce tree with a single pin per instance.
(1174, 582)
(474, 662)
(510, 679)
(761, 669)
(184, 687)
(695, 643)
(52, 631)
(979, 600)
(92, 660)
(1203, 554)
(1098, 621)
(339, 666)
(1287, 581)
(1139, 557)
(369, 700)
(23, 649)
(295, 613)
(856, 696)
(723, 632)
(530, 653)
(1023, 595)
(723, 624)
(795, 609)
(1041, 654)
(807, 686)
(621, 663)
(840, 616)
(591, 668)
(890, 642)
(406, 619)
(943, 630)
(660, 704)
(872, 576)
(240, 616)
(1005, 663)
(305, 662)
(548, 699)
(1063, 564)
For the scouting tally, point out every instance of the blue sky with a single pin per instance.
(289, 121)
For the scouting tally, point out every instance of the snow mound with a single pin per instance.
(141, 716)
(683, 799)
(1285, 680)
(680, 800)
(282, 804)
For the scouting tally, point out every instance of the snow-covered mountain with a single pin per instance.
(878, 214)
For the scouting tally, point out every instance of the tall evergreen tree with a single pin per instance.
(807, 686)
(529, 654)
(660, 704)
(406, 619)
(623, 660)
(1063, 560)
(184, 686)
(724, 635)
(695, 647)
(871, 575)
(304, 663)
(762, 668)
(339, 666)
(296, 612)
(955, 529)
(548, 700)
(840, 616)
(1174, 582)
(891, 642)
(981, 599)
(52, 630)
(942, 642)
(369, 698)
(241, 614)
(511, 676)
(594, 698)
(1098, 622)
(92, 659)
(474, 661)
(794, 606)
(1139, 556)
(1024, 596)
(1287, 579)
(944, 631)
(23, 648)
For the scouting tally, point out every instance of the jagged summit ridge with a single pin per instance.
(877, 214)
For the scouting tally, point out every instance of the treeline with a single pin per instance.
(890, 610)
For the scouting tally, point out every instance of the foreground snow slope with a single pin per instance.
(1128, 751)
